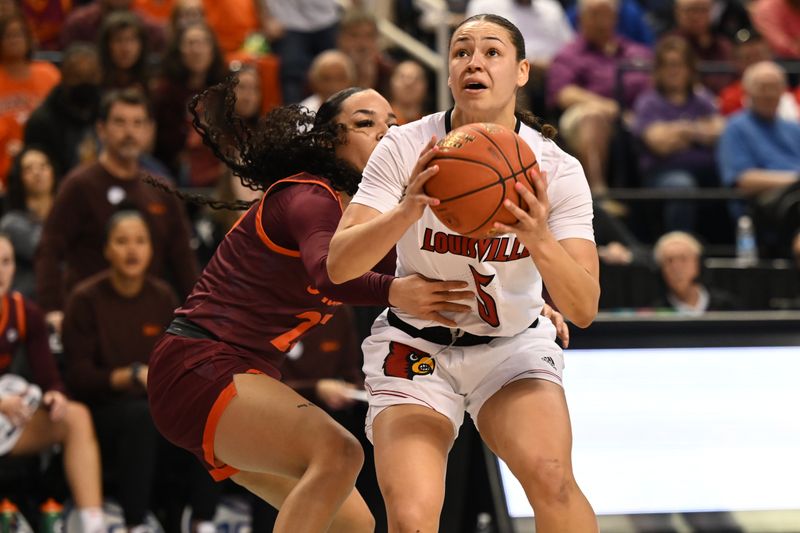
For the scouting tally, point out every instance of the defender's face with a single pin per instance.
(367, 116)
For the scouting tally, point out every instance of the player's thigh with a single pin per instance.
(411, 447)
(268, 427)
(526, 423)
(39, 434)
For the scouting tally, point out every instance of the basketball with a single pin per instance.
(478, 167)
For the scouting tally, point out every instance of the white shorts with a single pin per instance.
(401, 369)
(13, 385)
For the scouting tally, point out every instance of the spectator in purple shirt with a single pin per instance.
(678, 125)
(582, 83)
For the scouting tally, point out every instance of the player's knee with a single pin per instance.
(78, 419)
(359, 521)
(341, 455)
(413, 517)
(411, 508)
(548, 480)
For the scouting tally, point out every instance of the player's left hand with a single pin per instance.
(56, 402)
(532, 223)
(562, 329)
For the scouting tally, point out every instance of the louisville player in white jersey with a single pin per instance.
(499, 362)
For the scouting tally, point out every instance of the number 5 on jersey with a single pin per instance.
(487, 307)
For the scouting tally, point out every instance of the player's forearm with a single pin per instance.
(357, 247)
(574, 290)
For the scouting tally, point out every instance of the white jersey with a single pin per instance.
(499, 270)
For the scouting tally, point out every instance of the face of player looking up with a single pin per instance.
(367, 116)
(485, 73)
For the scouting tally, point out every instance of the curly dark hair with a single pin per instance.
(289, 140)
(548, 131)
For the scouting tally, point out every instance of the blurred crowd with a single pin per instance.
(674, 96)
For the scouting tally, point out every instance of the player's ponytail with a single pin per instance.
(197, 199)
(548, 131)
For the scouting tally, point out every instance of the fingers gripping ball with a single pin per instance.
(478, 167)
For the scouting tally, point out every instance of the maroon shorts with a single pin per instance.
(189, 385)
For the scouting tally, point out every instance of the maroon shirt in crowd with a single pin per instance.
(267, 283)
(104, 330)
(83, 25)
(23, 333)
(74, 233)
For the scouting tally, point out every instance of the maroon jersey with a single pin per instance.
(23, 333)
(267, 283)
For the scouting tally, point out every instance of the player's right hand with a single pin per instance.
(15, 408)
(414, 198)
(427, 299)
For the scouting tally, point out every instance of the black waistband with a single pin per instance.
(442, 335)
(183, 327)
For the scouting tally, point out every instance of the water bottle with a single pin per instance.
(9, 520)
(52, 520)
(746, 250)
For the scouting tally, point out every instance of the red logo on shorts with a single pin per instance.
(406, 362)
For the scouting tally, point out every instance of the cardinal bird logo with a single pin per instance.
(406, 362)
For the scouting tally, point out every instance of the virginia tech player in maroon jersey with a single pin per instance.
(213, 381)
(258, 295)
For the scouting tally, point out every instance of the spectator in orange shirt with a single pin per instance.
(157, 10)
(232, 21)
(24, 83)
(184, 14)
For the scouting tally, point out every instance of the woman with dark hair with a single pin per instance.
(31, 186)
(24, 84)
(678, 124)
(193, 62)
(213, 380)
(498, 361)
(124, 51)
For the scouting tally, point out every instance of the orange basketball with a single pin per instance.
(478, 167)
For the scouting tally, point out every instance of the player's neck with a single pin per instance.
(460, 118)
